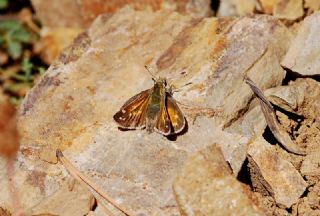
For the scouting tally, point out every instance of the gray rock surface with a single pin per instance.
(278, 176)
(304, 51)
(71, 108)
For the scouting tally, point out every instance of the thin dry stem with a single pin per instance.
(279, 133)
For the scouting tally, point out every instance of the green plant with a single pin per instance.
(12, 37)
(4, 4)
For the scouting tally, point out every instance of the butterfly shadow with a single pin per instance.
(173, 137)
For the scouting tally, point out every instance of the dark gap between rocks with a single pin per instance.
(269, 137)
(244, 174)
(215, 5)
(292, 76)
(291, 116)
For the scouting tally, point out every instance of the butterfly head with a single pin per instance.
(163, 84)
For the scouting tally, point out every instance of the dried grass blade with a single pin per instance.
(279, 133)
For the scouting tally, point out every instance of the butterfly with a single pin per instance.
(154, 109)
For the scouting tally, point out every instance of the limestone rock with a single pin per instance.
(71, 108)
(289, 10)
(268, 5)
(277, 176)
(299, 96)
(312, 5)
(82, 13)
(237, 7)
(310, 165)
(53, 13)
(251, 124)
(72, 199)
(60, 28)
(303, 54)
(309, 205)
(54, 40)
(282, 9)
(205, 186)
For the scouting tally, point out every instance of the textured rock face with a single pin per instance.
(72, 106)
(81, 13)
(206, 186)
(303, 55)
(278, 176)
(283, 9)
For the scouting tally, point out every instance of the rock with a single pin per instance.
(82, 13)
(205, 186)
(251, 124)
(268, 5)
(226, 8)
(300, 97)
(282, 9)
(61, 28)
(312, 5)
(72, 107)
(311, 164)
(290, 10)
(68, 200)
(303, 54)
(236, 7)
(54, 40)
(276, 175)
(53, 13)
(309, 205)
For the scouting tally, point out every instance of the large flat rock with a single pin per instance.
(72, 106)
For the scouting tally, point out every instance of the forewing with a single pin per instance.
(176, 117)
(132, 114)
(163, 124)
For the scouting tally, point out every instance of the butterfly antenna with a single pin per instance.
(153, 76)
(180, 88)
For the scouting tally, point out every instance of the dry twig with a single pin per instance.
(279, 133)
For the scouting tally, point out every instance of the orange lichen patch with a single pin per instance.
(93, 8)
(219, 46)
(217, 34)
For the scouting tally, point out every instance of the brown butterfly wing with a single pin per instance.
(163, 124)
(176, 117)
(132, 114)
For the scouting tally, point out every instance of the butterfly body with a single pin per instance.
(153, 109)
